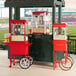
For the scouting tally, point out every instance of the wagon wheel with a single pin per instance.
(24, 63)
(71, 59)
(31, 60)
(70, 64)
(65, 65)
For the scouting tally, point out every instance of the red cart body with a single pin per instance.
(18, 47)
(59, 45)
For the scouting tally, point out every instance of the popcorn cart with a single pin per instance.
(38, 22)
(60, 44)
(18, 42)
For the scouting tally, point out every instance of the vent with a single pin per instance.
(59, 0)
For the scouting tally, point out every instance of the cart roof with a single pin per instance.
(18, 21)
(38, 12)
(59, 25)
(34, 3)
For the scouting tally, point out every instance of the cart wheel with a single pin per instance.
(71, 59)
(65, 65)
(13, 64)
(69, 63)
(31, 60)
(9, 66)
(24, 63)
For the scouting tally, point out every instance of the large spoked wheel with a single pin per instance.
(24, 63)
(70, 62)
(31, 60)
(65, 64)
(71, 59)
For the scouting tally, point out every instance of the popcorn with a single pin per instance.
(17, 38)
(7, 37)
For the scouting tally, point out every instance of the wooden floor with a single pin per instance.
(35, 70)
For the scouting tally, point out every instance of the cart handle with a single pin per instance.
(7, 43)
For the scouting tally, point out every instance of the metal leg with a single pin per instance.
(54, 59)
(10, 60)
(14, 59)
(27, 54)
(66, 55)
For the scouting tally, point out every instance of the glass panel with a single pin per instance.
(17, 32)
(59, 33)
(17, 29)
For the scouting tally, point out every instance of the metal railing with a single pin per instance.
(72, 44)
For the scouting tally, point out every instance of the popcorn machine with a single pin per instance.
(18, 42)
(38, 22)
(60, 44)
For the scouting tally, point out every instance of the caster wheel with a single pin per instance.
(65, 65)
(9, 66)
(13, 64)
(24, 63)
(31, 60)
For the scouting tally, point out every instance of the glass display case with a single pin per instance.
(19, 31)
(41, 22)
(59, 32)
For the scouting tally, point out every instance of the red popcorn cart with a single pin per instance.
(18, 42)
(60, 44)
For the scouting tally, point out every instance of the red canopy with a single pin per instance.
(38, 12)
(59, 25)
